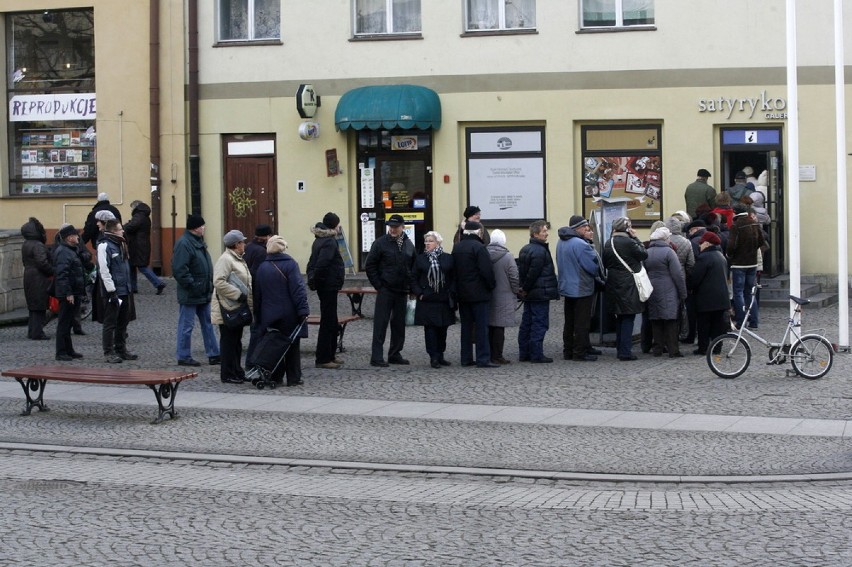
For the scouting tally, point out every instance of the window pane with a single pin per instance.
(638, 12)
(598, 13)
(482, 15)
(406, 16)
(520, 13)
(370, 16)
(267, 19)
(233, 19)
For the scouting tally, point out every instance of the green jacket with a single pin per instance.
(193, 270)
(696, 193)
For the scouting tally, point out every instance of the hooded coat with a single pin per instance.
(282, 295)
(38, 269)
(578, 264)
(137, 232)
(504, 296)
(667, 278)
(193, 270)
(325, 270)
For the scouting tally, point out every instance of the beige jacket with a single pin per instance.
(227, 293)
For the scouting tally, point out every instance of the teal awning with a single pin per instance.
(388, 107)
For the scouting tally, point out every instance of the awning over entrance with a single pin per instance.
(388, 106)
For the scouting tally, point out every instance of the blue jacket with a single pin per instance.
(538, 276)
(282, 295)
(193, 270)
(578, 264)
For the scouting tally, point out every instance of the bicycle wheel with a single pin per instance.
(728, 356)
(812, 356)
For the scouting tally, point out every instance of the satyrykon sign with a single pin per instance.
(770, 108)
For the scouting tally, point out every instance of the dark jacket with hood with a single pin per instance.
(474, 272)
(281, 293)
(708, 281)
(193, 270)
(537, 273)
(622, 297)
(137, 232)
(325, 271)
(38, 268)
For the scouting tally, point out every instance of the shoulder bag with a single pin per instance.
(643, 282)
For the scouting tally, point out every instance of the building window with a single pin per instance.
(499, 15)
(617, 13)
(249, 20)
(51, 96)
(376, 17)
(622, 165)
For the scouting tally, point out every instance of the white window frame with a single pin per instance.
(388, 22)
(619, 18)
(250, 35)
(501, 19)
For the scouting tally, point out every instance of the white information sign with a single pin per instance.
(368, 235)
(507, 189)
(368, 188)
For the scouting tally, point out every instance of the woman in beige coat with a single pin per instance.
(231, 288)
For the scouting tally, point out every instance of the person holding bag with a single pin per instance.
(232, 290)
(623, 255)
(433, 284)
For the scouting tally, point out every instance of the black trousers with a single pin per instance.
(231, 353)
(327, 335)
(496, 341)
(116, 318)
(665, 335)
(436, 341)
(578, 321)
(390, 309)
(36, 323)
(710, 324)
(63, 326)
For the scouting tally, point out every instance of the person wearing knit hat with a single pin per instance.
(699, 192)
(325, 272)
(622, 295)
(708, 286)
(472, 214)
(70, 288)
(504, 296)
(283, 306)
(663, 307)
(193, 272)
(580, 277)
(92, 230)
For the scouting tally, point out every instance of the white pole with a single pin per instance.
(842, 223)
(794, 234)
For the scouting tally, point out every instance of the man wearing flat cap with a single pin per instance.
(738, 190)
(70, 284)
(388, 268)
(193, 272)
(472, 214)
(698, 192)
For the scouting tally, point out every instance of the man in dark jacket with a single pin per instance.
(745, 240)
(114, 277)
(137, 233)
(325, 275)
(255, 254)
(90, 229)
(538, 288)
(474, 281)
(193, 272)
(70, 287)
(388, 268)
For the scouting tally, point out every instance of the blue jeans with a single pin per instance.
(148, 273)
(534, 324)
(186, 322)
(624, 335)
(742, 280)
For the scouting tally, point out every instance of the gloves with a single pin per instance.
(242, 298)
(112, 297)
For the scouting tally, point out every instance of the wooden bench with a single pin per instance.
(341, 327)
(164, 383)
(356, 297)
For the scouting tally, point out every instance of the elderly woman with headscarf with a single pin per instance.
(504, 296)
(666, 276)
(433, 283)
(282, 304)
(623, 255)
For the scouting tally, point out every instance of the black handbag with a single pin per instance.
(236, 318)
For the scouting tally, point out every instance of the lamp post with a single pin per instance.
(842, 223)
(793, 155)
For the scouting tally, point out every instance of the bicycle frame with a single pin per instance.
(791, 333)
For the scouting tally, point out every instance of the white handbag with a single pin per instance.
(643, 282)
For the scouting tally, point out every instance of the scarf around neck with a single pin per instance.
(435, 276)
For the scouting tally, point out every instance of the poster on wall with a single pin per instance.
(507, 189)
(634, 180)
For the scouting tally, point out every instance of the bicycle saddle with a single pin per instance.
(799, 300)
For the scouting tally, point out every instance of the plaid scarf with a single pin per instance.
(435, 276)
(400, 240)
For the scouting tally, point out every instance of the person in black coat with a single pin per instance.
(539, 287)
(91, 229)
(622, 295)
(38, 272)
(70, 287)
(255, 254)
(433, 284)
(137, 233)
(474, 282)
(708, 284)
(325, 274)
(388, 268)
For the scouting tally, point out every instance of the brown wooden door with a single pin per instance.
(250, 193)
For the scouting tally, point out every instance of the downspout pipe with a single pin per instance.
(192, 95)
(154, 128)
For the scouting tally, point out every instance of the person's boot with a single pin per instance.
(126, 355)
(112, 358)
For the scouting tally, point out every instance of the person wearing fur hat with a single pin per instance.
(432, 283)
(663, 306)
(708, 284)
(504, 297)
(113, 302)
(325, 273)
(580, 276)
(70, 287)
(38, 271)
(192, 268)
(473, 214)
(90, 229)
(622, 296)
(137, 232)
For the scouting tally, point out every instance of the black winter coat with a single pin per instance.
(537, 273)
(137, 232)
(474, 271)
(388, 267)
(68, 269)
(90, 229)
(433, 308)
(38, 268)
(325, 267)
(708, 281)
(282, 295)
(622, 297)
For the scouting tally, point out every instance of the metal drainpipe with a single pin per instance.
(192, 95)
(154, 112)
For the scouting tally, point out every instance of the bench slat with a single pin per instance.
(99, 375)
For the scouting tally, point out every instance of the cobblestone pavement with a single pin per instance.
(83, 510)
